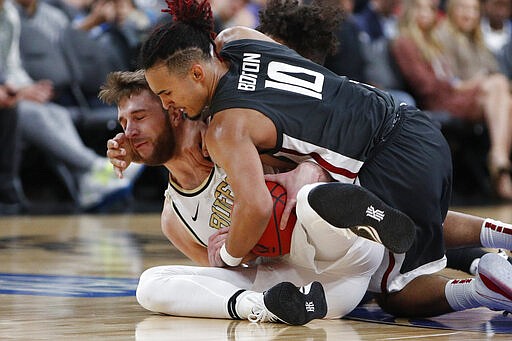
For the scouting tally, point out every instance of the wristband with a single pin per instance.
(227, 258)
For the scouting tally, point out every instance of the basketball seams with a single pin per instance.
(278, 199)
(272, 240)
(276, 223)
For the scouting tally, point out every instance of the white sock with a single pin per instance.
(460, 294)
(245, 301)
(496, 234)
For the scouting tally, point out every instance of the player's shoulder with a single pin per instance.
(239, 33)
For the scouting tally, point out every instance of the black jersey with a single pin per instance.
(354, 131)
(318, 115)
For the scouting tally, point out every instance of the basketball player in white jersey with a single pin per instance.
(196, 214)
(162, 289)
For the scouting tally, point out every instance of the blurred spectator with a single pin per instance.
(50, 22)
(462, 41)
(427, 69)
(496, 27)
(120, 25)
(51, 49)
(378, 19)
(378, 22)
(495, 24)
(505, 60)
(72, 8)
(473, 63)
(349, 59)
(228, 13)
(103, 14)
(11, 193)
(152, 8)
(49, 126)
(47, 18)
(253, 7)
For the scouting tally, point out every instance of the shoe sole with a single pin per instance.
(293, 307)
(108, 199)
(353, 207)
(496, 274)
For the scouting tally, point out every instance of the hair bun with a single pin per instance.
(191, 12)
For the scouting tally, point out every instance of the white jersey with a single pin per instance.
(205, 209)
(315, 244)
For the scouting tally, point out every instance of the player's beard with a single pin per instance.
(163, 146)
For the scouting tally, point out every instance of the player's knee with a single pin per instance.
(143, 292)
(305, 213)
(148, 287)
(384, 302)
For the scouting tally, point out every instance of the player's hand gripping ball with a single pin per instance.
(274, 241)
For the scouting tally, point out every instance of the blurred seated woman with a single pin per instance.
(430, 74)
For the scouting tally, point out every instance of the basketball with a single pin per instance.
(275, 242)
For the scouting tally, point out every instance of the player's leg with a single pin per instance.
(433, 294)
(365, 214)
(340, 260)
(465, 235)
(424, 296)
(462, 230)
(223, 293)
(464, 259)
(321, 246)
(191, 291)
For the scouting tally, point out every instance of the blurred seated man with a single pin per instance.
(10, 189)
(49, 126)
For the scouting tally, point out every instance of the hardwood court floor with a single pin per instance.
(73, 278)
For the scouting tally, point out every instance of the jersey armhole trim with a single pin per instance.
(187, 226)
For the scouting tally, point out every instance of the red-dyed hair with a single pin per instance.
(192, 27)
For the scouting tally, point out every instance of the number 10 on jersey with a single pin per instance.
(281, 77)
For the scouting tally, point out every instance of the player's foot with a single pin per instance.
(101, 185)
(286, 303)
(353, 207)
(493, 282)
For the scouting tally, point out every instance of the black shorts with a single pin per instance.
(411, 170)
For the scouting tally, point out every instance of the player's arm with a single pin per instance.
(232, 144)
(177, 234)
(237, 33)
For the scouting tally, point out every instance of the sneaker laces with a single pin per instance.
(260, 314)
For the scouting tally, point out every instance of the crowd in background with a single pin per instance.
(451, 58)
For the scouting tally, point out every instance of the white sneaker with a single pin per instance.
(494, 282)
(133, 171)
(261, 314)
(100, 185)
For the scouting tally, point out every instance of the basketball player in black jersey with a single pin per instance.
(147, 140)
(263, 97)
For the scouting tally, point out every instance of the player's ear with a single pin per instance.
(197, 72)
(175, 116)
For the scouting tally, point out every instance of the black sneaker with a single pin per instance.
(296, 306)
(353, 207)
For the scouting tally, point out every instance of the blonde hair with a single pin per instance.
(475, 36)
(122, 84)
(427, 42)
